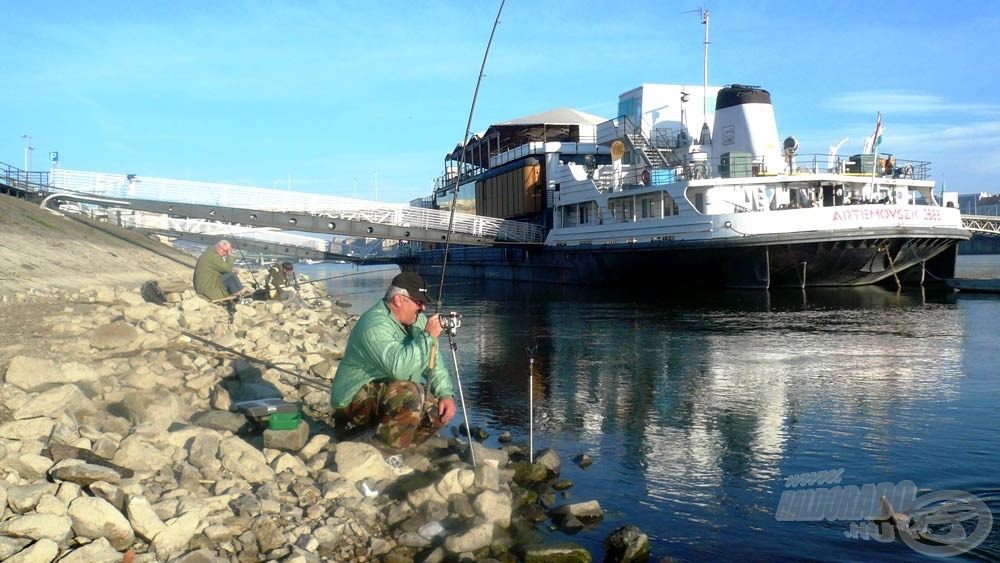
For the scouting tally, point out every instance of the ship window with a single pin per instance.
(669, 205)
(699, 202)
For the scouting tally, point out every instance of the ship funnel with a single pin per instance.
(745, 130)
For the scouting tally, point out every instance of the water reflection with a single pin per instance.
(701, 404)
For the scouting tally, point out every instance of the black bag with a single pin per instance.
(152, 293)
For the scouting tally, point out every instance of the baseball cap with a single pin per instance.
(414, 285)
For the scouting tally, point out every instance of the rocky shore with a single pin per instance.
(121, 438)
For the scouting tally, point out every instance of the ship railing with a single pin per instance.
(743, 165)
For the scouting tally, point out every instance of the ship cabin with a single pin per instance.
(664, 155)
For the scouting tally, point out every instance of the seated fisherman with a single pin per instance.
(279, 278)
(214, 276)
(391, 351)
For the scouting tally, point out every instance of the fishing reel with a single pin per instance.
(450, 322)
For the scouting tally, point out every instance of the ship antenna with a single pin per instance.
(465, 141)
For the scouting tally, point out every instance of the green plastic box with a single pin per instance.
(283, 420)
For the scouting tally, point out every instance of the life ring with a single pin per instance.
(908, 171)
(699, 171)
(645, 178)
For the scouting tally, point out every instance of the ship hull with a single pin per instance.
(820, 263)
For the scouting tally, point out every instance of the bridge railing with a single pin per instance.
(14, 177)
(986, 224)
(130, 186)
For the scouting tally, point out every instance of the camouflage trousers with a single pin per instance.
(402, 412)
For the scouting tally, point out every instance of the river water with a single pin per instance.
(699, 409)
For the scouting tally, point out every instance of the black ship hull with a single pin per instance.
(823, 263)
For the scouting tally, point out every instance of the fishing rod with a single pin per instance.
(451, 322)
(465, 143)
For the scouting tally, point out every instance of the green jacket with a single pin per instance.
(381, 349)
(208, 274)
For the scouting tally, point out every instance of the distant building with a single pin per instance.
(980, 204)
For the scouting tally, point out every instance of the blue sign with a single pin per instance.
(53, 157)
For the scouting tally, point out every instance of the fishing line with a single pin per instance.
(341, 276)
(266, 363)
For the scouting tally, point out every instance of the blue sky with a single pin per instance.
(333, 95)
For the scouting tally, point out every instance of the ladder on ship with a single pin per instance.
(653, 156)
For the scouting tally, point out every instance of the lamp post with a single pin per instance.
(27, 154)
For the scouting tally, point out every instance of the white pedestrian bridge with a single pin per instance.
(262, 217)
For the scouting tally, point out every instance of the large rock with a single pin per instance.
(176, 536)
(627, 544)
(66, 398)
(97, 551)
(38, 526)
(203, 452)
(287, 440)
(357, 461)
(24, 498)
(143, 518)
(136, 453)
(96, 518)
(10, 546)
(113, 335)
(494, 507)
(27, 429)
(244, 460)
(151, 412)
(477, 537)
(42, 551)
(141, 311)
(33, 374)
(556, 553)
(82, 473)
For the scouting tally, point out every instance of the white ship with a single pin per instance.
(644, 199)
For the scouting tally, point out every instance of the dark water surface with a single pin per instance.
(696, 408)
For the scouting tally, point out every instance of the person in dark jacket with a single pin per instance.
(391, 352)
(214, 277)
(279, 278)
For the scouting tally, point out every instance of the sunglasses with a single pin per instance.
(417, 302)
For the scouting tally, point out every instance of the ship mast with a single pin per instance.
(704, 92)
(705, 136)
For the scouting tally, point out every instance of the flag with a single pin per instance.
(877, 136)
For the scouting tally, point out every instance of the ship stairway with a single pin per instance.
(651, 154)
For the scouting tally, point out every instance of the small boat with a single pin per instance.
(974, 285)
